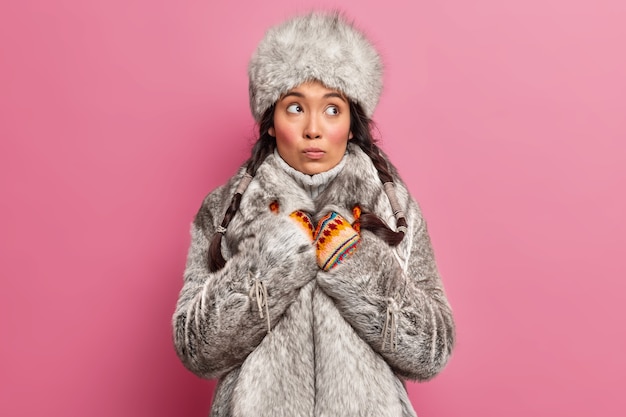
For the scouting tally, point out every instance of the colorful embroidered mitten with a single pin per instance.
(335, 239)
(304, 221)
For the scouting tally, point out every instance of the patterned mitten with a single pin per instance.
(335, 239)
(304, 221)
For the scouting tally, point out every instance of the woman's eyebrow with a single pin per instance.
(333, 94)
(292, 93)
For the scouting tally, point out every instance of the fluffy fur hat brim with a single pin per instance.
(318, 46)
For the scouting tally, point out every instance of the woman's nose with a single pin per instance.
(312, 129)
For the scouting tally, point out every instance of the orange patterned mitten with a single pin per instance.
(335, 240)
(304, 221)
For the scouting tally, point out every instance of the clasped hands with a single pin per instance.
(334, 237)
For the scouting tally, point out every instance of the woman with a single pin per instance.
(310, 287)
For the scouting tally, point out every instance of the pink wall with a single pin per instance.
(507, 120)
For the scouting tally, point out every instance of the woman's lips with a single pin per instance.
(314, 153)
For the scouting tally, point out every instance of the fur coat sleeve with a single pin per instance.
(396, 303)
(218, 320)
(392, 296)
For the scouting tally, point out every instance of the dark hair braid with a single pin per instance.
(263, 147)
(361, 127)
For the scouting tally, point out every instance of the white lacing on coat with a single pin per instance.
(390, 329)
(258, 292)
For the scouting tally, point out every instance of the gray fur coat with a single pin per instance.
(326, 353)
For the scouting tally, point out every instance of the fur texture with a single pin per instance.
(324, 355)
(318, 46)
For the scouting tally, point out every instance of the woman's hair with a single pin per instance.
(263, 147)
(361, 128)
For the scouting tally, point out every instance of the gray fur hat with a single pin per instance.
(318, 46)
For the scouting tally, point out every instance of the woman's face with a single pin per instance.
(312, 127)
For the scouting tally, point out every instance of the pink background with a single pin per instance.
(506, 119)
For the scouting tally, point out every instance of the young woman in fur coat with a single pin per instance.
(310, 287)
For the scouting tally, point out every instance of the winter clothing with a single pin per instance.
(342, 341)
(312, 184)
(335, 240)
(319, 46)
(303, 220)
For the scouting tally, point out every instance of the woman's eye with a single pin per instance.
(332, 111)
(294, 108)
